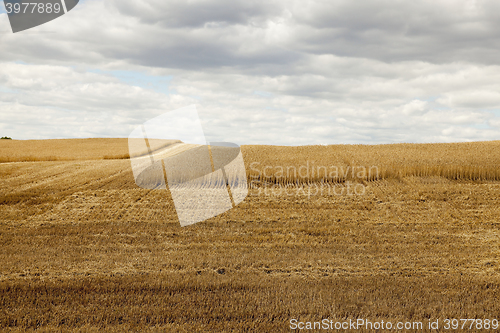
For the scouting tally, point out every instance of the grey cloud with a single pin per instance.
(195, 14)
(432, 31)
(332, 71)
(269, 38)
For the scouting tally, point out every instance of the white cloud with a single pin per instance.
(260, 72)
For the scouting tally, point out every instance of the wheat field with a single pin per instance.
(70, 149)
(84, 249)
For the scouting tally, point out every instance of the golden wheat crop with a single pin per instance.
(299, 165)
(337, 163)
(61, 150)
(71, 149)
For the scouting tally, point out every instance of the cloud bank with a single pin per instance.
(281, 72)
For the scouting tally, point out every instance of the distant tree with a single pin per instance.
(5, 138)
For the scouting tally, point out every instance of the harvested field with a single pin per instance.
(68, 149)
(84, 249)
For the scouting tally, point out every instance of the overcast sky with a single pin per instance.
(263, 72)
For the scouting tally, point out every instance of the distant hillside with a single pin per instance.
(65, 149)
(303, 164)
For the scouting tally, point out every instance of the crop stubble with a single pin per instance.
(84, 249)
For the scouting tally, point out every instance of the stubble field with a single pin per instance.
(82, 248)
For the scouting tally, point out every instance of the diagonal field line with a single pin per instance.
(64, 6)
(147, 144)
(223, 176)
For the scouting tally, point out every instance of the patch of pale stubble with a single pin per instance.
(201, 199)
(210, 195)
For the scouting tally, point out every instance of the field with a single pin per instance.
(84, 249)
(67, 149)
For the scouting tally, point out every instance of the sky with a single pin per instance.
(259, 72)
